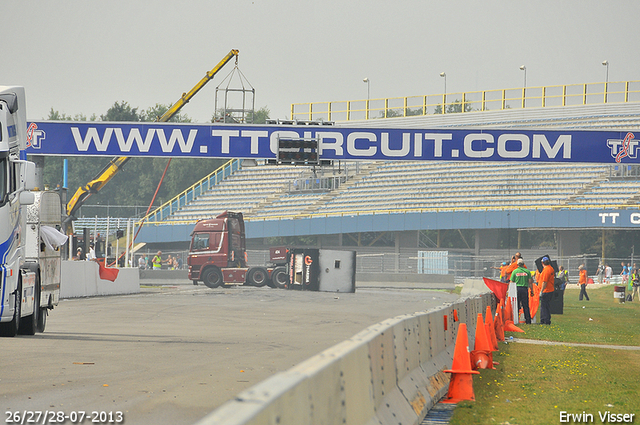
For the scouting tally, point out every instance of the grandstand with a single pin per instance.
(267, 192)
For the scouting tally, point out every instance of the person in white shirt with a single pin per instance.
(607, 274)
(92, 253)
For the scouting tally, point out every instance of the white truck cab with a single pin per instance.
(29, 260)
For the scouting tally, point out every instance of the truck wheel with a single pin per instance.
(279, 277)
(29, 324)
(42, 319)
(258, 276)
(212, 277)
(11, 328)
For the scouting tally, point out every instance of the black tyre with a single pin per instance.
(29, 324)
(280, 277)
(258, 276)
(11, 328)
(212, 277)
(42, 319)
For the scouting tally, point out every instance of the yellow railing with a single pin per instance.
(186, 196)
(488, 100)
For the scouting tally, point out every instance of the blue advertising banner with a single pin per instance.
(335, 143)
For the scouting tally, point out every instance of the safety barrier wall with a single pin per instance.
(390, 373)
(82, 279)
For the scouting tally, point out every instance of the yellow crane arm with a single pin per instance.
(95, 185)
(116, 164)
(186, 97)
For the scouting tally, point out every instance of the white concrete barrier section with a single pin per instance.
(472, 287)
(390, 373)
(81, 279)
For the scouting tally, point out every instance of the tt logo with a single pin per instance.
(35, 136)
(626, 147)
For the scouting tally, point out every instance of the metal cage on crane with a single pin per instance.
(235, 99)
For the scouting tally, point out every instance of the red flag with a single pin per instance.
(497, 287)
(107, 273)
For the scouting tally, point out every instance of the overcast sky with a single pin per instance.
(79, 57)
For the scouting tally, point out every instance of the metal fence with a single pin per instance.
(446, 103)
(460, 264)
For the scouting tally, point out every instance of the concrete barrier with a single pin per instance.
(81, 279)
(390, 373)
(473, 286)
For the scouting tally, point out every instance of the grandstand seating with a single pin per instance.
(243, 191)
(267, 191)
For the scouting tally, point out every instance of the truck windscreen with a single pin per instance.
(200, 241)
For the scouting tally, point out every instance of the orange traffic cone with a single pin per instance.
(482, 354)
(488, 321)
(498, 325)
(461, 384)
(509, 326)
(508, 310)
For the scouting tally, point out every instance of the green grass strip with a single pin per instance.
(545, 384)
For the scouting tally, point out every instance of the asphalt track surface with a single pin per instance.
(172, 354)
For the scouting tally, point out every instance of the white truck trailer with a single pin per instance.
(30, 236)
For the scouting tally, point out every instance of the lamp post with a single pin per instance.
(606, 80)
(524, 85)
(368, 81)
(444, 95)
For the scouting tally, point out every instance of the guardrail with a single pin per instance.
(390, 373)
(460, 102)
(188, 195)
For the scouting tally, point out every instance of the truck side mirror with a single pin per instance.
(28, 175)
(27, 198)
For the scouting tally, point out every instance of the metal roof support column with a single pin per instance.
(626, 92)
(603, 246)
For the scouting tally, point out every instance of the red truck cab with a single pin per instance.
(218, 244)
